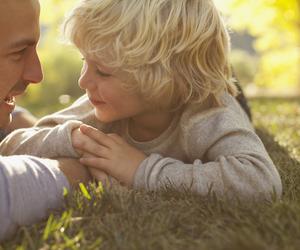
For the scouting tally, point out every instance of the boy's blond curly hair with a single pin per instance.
(176, 50)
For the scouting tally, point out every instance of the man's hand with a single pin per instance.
(74, 171)
(108, 153)
(78, 138)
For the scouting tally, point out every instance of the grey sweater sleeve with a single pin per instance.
(51, 136)
(225, 157)
(30, 187)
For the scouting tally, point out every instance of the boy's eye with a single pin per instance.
(99, 72)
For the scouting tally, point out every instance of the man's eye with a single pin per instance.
(99, 72)
(18, 54)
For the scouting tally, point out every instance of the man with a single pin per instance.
(29, 186)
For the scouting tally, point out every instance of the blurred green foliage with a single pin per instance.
(61, 72)
(276, 26)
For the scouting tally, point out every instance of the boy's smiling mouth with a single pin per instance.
(96, 102)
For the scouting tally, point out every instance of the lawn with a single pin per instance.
(121, 219)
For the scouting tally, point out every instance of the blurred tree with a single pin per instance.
(61, 63)
(276, 25)
(244, 66)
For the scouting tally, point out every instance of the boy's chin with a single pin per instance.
(5, 119)
(103, 118)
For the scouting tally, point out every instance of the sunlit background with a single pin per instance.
(265, 54)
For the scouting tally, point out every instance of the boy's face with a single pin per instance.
(111, 101)
(19, 62)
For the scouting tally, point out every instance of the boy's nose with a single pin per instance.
(85, 81)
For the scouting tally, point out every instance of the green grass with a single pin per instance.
(118, 218)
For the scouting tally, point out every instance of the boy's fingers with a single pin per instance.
(96, 134)
(97, 163)
(86, 155)
(118, 139)
(93, 148)
(99, 175)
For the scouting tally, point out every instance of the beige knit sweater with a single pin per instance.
(205, 149)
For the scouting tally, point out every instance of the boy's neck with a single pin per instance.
(149, 126)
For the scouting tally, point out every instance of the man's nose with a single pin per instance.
(32, 68)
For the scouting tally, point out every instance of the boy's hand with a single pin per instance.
(97, 174)
(108, 153)
(80, 139)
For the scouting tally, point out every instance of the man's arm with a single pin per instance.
(51, 137)
(31, 187)
(74, 171)
(21, 118)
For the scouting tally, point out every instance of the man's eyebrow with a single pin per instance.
(23, 42)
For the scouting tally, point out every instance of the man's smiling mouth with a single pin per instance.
(10, 99)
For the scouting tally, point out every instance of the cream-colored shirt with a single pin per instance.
(205, 149)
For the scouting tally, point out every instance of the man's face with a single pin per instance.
(19, 62)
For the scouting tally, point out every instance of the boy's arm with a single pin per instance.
(244, 175)
(234, 164)
(31, 187)
(51, 136)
